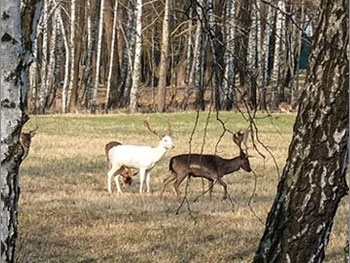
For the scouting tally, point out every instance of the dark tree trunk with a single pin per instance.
(313, 180)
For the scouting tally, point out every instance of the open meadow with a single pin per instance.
(67, 215)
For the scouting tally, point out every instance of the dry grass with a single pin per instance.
(67, 215)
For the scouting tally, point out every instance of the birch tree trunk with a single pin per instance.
(44, 57)
(88, 61)
(265, 47)
(200, 73)
(214, 46)
(98, 59)
(279, 57)
(137, 59)
(64, 101)
(196, 77)
(296, 52)
(189, 59)
(196, 51)
(51, 62)
(123, 92)
(229, 73)
(111, 62)
(72, 55)
(254, 54)
(313, 180)
(163, 60)
(12, 120)
(59, 55)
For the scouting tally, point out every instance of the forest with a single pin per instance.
(134, 56)
(157, 56)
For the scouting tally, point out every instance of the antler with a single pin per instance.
(170, 132)
(239, 137)
(146, 123)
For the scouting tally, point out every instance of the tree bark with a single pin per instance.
(44, 85)
(136, 72)
(85, 97)
(66, 65)
(111, 61)
(278, 56)
(163, 60)
(313, 180)
(12, 120)
(98, 59)
(227, 94)
(72, 39)
(30, 14)
(251, 52)
(265, 53)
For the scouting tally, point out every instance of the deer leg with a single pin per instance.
(177, 183)
(211, 186)
(116, 180)
(224, 185)
(142, 178)
(166, 181)
(148, 179)
(110, 175)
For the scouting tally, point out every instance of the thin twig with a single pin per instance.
(252, 196)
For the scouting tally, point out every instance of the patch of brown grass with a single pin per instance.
(67, 215)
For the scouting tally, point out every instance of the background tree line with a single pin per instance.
(312, 183)
(102, 55)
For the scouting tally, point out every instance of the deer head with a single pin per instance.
(238, 138)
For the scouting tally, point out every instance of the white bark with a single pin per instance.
(265, 44)
(228, 82)
(127, 57)
(72, 55)
(52, 59)
(279, 54)
(111, 61)
(137, 59)
(189, 49)
(296, 53)
(59, 55)
(98, 59)
(193, 78)
(44, 57)
(11, 123)
(254, 40)
(66, 67)
(87, 69)
(189, 59)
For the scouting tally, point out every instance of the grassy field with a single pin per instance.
(67, 215)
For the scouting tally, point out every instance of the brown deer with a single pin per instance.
(285, 107)
(208, 166)
(25, 141)
(126, 172)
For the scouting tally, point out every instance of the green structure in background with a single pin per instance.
(305, 51)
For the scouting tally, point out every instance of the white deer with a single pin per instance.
(143, 158)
